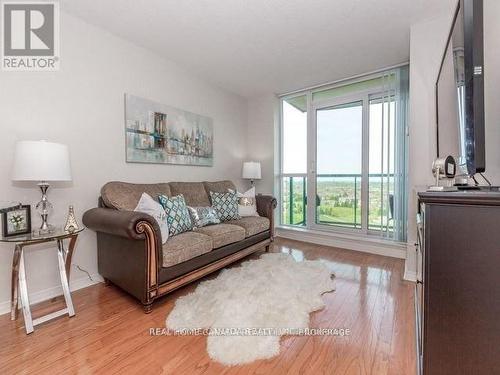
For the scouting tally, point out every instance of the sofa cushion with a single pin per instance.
(178, 218)
(247, 205)
(203, 216)
(151, 207)
(219, 186)
(226, 205)
(185, 246)
(252, 224)
(125, 196)
(223, 234)
(194, 193)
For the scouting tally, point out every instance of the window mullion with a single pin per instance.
(280, 164)
(365, 161)
(311, 163)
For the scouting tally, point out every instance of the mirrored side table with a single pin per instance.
(19, 287)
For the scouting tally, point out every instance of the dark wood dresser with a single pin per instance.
(457, 296)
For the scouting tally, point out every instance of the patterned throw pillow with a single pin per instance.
(202, 216)
(177, 214)
(226, 205)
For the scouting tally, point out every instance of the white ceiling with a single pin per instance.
(260, 46)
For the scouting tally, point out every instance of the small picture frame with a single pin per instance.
(16, 220)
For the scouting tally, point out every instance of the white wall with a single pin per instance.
(427, 43)
(262, 138)
(82, 105)
(492, 88)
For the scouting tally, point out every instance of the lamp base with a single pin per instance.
(43, 207)
(45, 228)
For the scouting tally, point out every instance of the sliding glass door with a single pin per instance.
(381, 164)
(338, 173)
(343, 157)
(353, 174)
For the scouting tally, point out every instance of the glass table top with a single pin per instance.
(35, 236)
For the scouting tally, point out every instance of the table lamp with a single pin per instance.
(251, 171)
(43, 162)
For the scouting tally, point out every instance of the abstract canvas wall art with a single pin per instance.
(158, 133)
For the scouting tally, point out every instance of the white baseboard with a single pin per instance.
(349, 242)
(46, 294)
(410, 264)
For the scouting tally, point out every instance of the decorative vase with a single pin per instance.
(71, 224)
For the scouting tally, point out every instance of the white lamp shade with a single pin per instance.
(251, 170)
(41, 161)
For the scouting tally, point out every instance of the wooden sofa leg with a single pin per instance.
(267, 248)
(107, 282)
(148, 307)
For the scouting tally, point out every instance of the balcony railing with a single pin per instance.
(338, 200)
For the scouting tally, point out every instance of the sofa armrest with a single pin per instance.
(128, 250)
(120, 223)
(266, 205)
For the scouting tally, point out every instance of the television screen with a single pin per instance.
(460, 93)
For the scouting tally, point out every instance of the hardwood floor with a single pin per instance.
(110, 332)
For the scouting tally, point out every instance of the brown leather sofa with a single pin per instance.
(130, 250)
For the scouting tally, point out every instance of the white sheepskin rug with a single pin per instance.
(273, 292)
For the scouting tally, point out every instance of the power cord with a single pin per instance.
(83, 270)
(485, 179)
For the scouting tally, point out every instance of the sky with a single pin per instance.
(339, 133)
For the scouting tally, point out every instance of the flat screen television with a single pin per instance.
(460, 91)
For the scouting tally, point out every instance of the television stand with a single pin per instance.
(457, 293)
(478, 187)
(468, 187)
